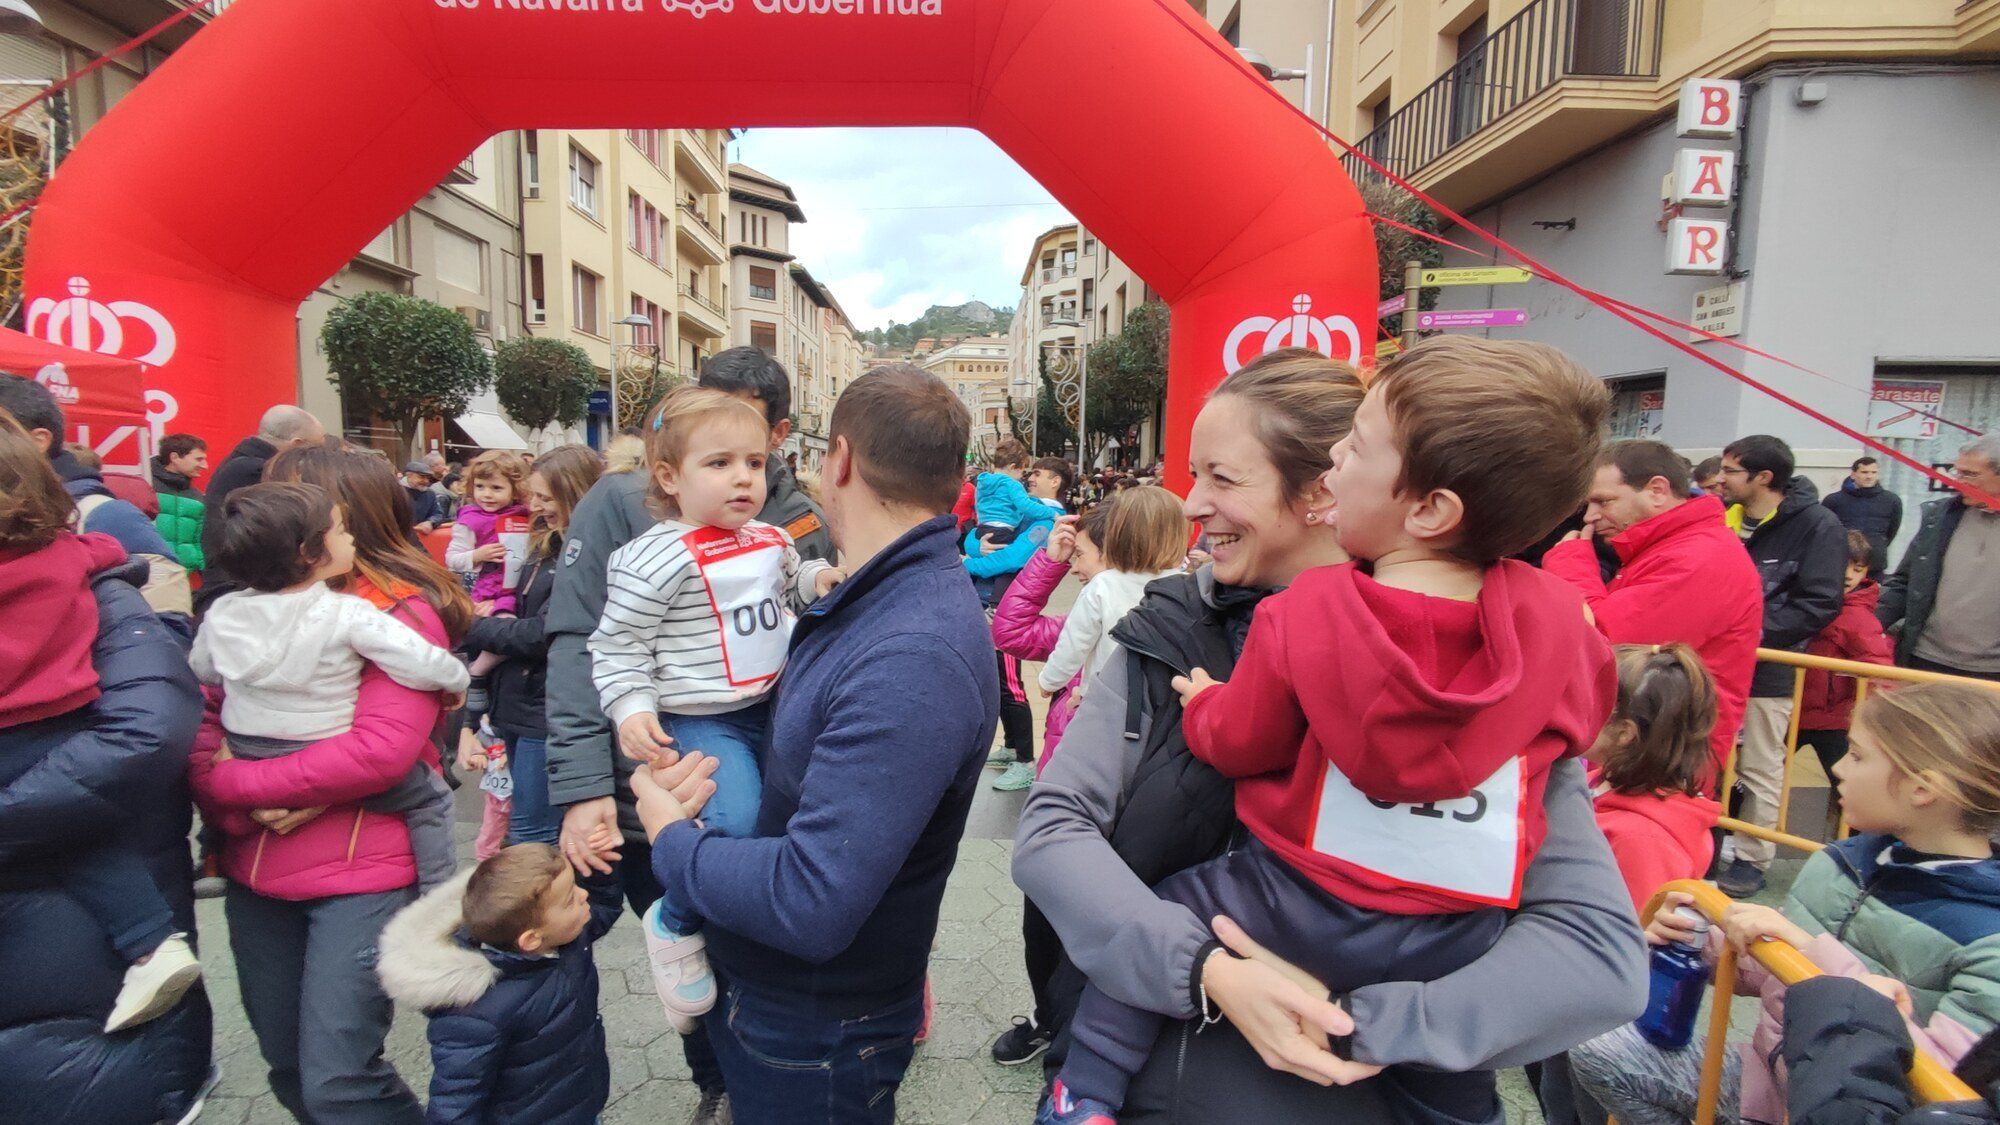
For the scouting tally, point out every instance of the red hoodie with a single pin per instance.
(1657, 839)
(1854, 635)
(45, 665)
(1686, 578)
(1393, 747)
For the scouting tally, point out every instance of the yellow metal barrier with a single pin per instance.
(1930, 1080)
(1801, 663)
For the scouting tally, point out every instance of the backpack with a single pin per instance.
(167, 589)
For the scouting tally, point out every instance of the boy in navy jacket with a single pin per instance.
(500, 959)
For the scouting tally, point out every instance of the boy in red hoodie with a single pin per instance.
(46, 671)
(1854, 635)
(1392, 721)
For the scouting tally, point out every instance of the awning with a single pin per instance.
(490, 431)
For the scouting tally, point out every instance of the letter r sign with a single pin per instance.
(1696, 245)
(1710, 107)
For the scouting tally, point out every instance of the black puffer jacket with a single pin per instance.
(1848, 1055)
(110, 775)
(1801, 557)
(517, 687)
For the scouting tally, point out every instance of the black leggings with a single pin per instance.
(1017, 721)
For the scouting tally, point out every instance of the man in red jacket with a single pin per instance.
(1683, 575)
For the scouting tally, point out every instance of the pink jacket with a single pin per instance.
(345, 850)
(1022, 630)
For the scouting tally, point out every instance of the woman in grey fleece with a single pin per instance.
(1116, 808)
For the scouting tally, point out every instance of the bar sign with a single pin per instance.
(1472, 318)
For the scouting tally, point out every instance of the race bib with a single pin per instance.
(499, 781)
(513, 538)
(1469, 848)
(745, 574)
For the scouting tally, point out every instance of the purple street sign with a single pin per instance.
(1472, 318)
(1392, 306)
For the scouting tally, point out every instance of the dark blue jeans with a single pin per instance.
(532, 821)
(785, 1064)
(115, 887)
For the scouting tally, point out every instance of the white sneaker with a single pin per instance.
(680, 972)
(155, 985)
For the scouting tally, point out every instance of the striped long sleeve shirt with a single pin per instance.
(697, 619)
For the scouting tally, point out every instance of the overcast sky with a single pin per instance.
(898, 220)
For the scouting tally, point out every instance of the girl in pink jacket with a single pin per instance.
(1020, 627)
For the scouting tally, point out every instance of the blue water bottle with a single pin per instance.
(1678, 977)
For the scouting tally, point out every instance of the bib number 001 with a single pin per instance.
(749, 619)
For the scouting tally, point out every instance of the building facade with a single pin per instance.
(779, 307)
(1865, 145)
(980, 370)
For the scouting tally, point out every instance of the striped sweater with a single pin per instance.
(697, 619)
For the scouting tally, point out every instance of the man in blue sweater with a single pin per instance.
(819, 926)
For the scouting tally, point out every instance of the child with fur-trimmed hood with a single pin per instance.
(500, 960)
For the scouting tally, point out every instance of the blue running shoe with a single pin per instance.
(1063, 1108)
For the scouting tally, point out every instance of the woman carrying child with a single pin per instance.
(1911, 906)
(314, 874)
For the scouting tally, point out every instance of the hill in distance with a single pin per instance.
(974, 318)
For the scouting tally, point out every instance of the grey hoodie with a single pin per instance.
(1574, 925)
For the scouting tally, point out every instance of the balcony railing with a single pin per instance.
(1549, 40)
(703, 301)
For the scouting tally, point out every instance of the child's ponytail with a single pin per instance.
(1667, 695)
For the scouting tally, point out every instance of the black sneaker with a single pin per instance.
(1740, 879)
(713, 1110)
(1024, 1042)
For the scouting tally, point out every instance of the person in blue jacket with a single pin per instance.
(120, 761)
(500, 959)
(1008, 528)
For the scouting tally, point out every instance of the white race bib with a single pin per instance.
(1469, 848)
(745, 573)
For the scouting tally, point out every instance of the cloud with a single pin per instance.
(898, 220)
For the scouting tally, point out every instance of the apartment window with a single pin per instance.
(763, 230)
(461, 259)
(1468, 80)
(651, 144)
(743, 226)
(538, 307)
(1069, 261)
(1089, 293)
(1090, 246)
(583, 181)
(648, 229)
(764, 337)
(656, 321)
(531, 164)
(585, 289)
(763, 283)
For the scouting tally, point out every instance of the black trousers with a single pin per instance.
(1922, 665)
(1043, 952)
(1017, 721)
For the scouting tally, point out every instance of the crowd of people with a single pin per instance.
(1348, 754)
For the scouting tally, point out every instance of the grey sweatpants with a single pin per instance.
(1640, 1084)
(422, 799)
(307, 972)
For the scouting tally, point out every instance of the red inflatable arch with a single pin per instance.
(186, 227)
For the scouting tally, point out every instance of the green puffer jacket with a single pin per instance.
(181, 509)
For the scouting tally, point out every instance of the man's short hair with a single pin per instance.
(284, 423)
(1762, 453)
(1480, 417)
(504, 897)
(750, 370)
(1709, 468)
(274, 534)
(907, 432)
(1985, 445)
(1639, 460)
(34, 407)
(1860, 461)
(178, 445)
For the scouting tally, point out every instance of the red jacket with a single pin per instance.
(1394, 773)
(1657, 839)
(346, 850)
(1854, 635)
(45, 651)
(1685, 578)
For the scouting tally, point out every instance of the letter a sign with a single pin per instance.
(1710, 107)
(1703, 178)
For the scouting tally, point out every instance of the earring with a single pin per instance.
(1312, 515)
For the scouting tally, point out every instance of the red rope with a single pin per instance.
(1216, 46)
(1707, 336)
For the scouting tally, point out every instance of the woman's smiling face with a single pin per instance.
(1257, 531)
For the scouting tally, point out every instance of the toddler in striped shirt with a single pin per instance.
(698, 617)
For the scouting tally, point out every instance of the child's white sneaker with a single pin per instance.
(680, 972)
(153, 986)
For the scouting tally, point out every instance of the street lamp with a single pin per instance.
(1266, 71)
(1082, 395)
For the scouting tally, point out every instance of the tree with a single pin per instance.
(404, 359)
(1054, 429)
(540, 380)
(1128, 375)
(1395, 247)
